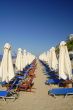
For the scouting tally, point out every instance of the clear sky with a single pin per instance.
(35, 25)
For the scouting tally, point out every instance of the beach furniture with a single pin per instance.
(65, 69)
(5, 94)
(53, 74)
(26, 85)
(9, 93)
(61, 91)
(6, 68)
(28, 72)
(52, 81)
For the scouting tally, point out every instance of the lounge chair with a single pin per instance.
(5, 94)
(26, 85)
(52, 81)
(61, 91)
(56, 81)
(9, 93)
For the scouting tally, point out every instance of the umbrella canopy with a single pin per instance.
(19, 60)
(50, 59)
(6, 68)
(65, 69)
(43, 56)
(24, 58)
(29, 58)
(54, 61)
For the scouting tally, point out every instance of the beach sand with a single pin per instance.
(38, 99)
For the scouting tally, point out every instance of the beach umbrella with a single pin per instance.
(6, 68)
(50, 59)
(40, 57)
(32, 58)
(65, 69)
(54, 61)
(29, 58)
(25, 58)
(19, 60)
(43, 56)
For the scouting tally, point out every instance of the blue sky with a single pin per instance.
(35, 25)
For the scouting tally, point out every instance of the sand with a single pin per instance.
(38, 99)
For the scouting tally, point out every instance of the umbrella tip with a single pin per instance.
(19, 49)
(63, 43)
(7, 45)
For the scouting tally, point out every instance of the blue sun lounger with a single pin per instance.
(4, 94)
(52, 81)
(53, 74)
(61, 91)
(9, 93)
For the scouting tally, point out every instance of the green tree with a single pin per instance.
(70, 45)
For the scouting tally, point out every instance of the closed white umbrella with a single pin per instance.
(65, 69)
(54, 61)
(50, 59)
(24, 58)
(32, 57)
(43, 57)
(19, 60)
(29, 58)
(6, 68)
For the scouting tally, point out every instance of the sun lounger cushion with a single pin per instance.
(61, 91)
(3, 93)
(52, 81)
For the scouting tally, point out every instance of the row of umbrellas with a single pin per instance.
(62, 64)
(23, 59)
(6, 68)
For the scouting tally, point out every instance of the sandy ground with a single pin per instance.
(39, 98)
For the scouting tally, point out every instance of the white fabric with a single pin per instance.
(6, 68)
(24, 59)
(29, 59)
(19, 60)
(50, 58)
(43, 57)
(54, 61)
(11, 70)
(65, 69)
